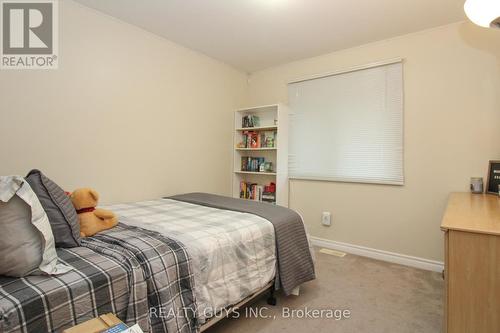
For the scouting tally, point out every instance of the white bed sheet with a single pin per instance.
(233, 254)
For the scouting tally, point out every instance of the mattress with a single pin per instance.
(232, 253)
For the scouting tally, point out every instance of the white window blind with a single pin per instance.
(349, 126)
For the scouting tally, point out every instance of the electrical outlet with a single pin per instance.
(326, 219)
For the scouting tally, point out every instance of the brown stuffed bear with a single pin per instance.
(92, 220)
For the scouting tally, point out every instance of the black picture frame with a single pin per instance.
(493, 177)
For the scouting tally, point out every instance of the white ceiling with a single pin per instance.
(255, 34)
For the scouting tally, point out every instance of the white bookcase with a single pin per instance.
(273, 122)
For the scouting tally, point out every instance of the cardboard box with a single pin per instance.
(95, 325)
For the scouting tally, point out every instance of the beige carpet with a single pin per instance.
(382, 298)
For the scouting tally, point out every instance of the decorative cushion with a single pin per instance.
(60, 211)
(26, 240)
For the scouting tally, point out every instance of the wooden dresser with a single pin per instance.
(472, 263)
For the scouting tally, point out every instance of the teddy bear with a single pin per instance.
(92, 219)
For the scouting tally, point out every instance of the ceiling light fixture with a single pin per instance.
(485, 13)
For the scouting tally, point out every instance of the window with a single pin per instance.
(348, 126)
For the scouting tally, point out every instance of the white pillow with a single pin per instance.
(26, 241)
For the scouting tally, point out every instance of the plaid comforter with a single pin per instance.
(233, 253)
(140, 275)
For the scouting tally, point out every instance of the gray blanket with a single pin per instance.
(295, 264)
(140, 275)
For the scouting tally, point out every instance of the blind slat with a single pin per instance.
(348, 127)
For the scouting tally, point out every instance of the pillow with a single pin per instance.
(60, 211)
(26, 240)
(21, 254)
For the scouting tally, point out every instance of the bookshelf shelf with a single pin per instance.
(251, 152)
(256, 149)
(258, 128)
(256, 173)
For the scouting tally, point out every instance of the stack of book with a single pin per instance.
(250, 121)
(252, 164)
(269, 194)
(251, 191)
(254, 191)
(252, 139)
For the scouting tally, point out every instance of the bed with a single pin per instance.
(170, 265)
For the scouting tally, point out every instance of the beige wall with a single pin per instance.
(452, 119)
(127, 112)
(138, 117)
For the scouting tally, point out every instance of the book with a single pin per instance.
(255, 164)
(250, 121)
(122, 328)
(119, 328)
(251, 139)
(249, 191)
(254, 191)
(269, 199)
(271, 188)
(255, 140)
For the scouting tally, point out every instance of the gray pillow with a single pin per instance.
(21, 254)
(60, 211)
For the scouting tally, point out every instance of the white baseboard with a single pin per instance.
(396, 258)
